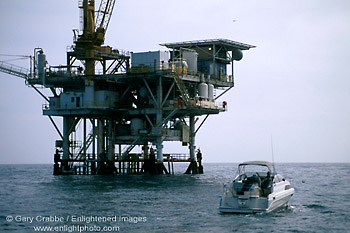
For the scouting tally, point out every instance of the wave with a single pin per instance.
(315, 206)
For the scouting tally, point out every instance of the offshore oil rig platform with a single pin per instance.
(110, 98)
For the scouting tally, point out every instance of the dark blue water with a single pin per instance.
(176, 203)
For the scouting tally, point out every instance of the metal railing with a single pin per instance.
(177, 157)
(210, 104)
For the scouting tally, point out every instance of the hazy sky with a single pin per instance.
(294, 85)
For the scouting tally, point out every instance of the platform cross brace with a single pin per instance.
(117, 67)
(168, 93)
(87, 145)
(201, 124)
(150, 91)
(165, 120)
(130, 147)
(223, 93)
(56, 127)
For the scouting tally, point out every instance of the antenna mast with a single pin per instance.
(273, 157)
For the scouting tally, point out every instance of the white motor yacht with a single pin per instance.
(257, 188)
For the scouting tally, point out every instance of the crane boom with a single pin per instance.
(104, 14)
(93, 37)
(14, 70)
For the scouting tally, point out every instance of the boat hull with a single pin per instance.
(249, 205)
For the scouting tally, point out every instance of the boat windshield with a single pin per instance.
(251, 169)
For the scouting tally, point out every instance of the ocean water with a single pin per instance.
(33, 200)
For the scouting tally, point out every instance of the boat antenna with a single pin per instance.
(273, 157)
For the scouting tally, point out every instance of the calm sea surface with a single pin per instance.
(32, 199)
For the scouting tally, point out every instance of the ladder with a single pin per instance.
(183, 90)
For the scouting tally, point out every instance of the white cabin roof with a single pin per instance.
(262, 163)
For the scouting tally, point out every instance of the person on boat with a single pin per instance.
(266, 184)
(255, 180)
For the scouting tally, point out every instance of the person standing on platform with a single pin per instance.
(199, 157)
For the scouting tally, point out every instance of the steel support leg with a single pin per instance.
(100, 144)
(110, 168)
(67, 128)
(192, 168)
(192, 139)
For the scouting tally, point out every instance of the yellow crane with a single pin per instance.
(94, 30)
